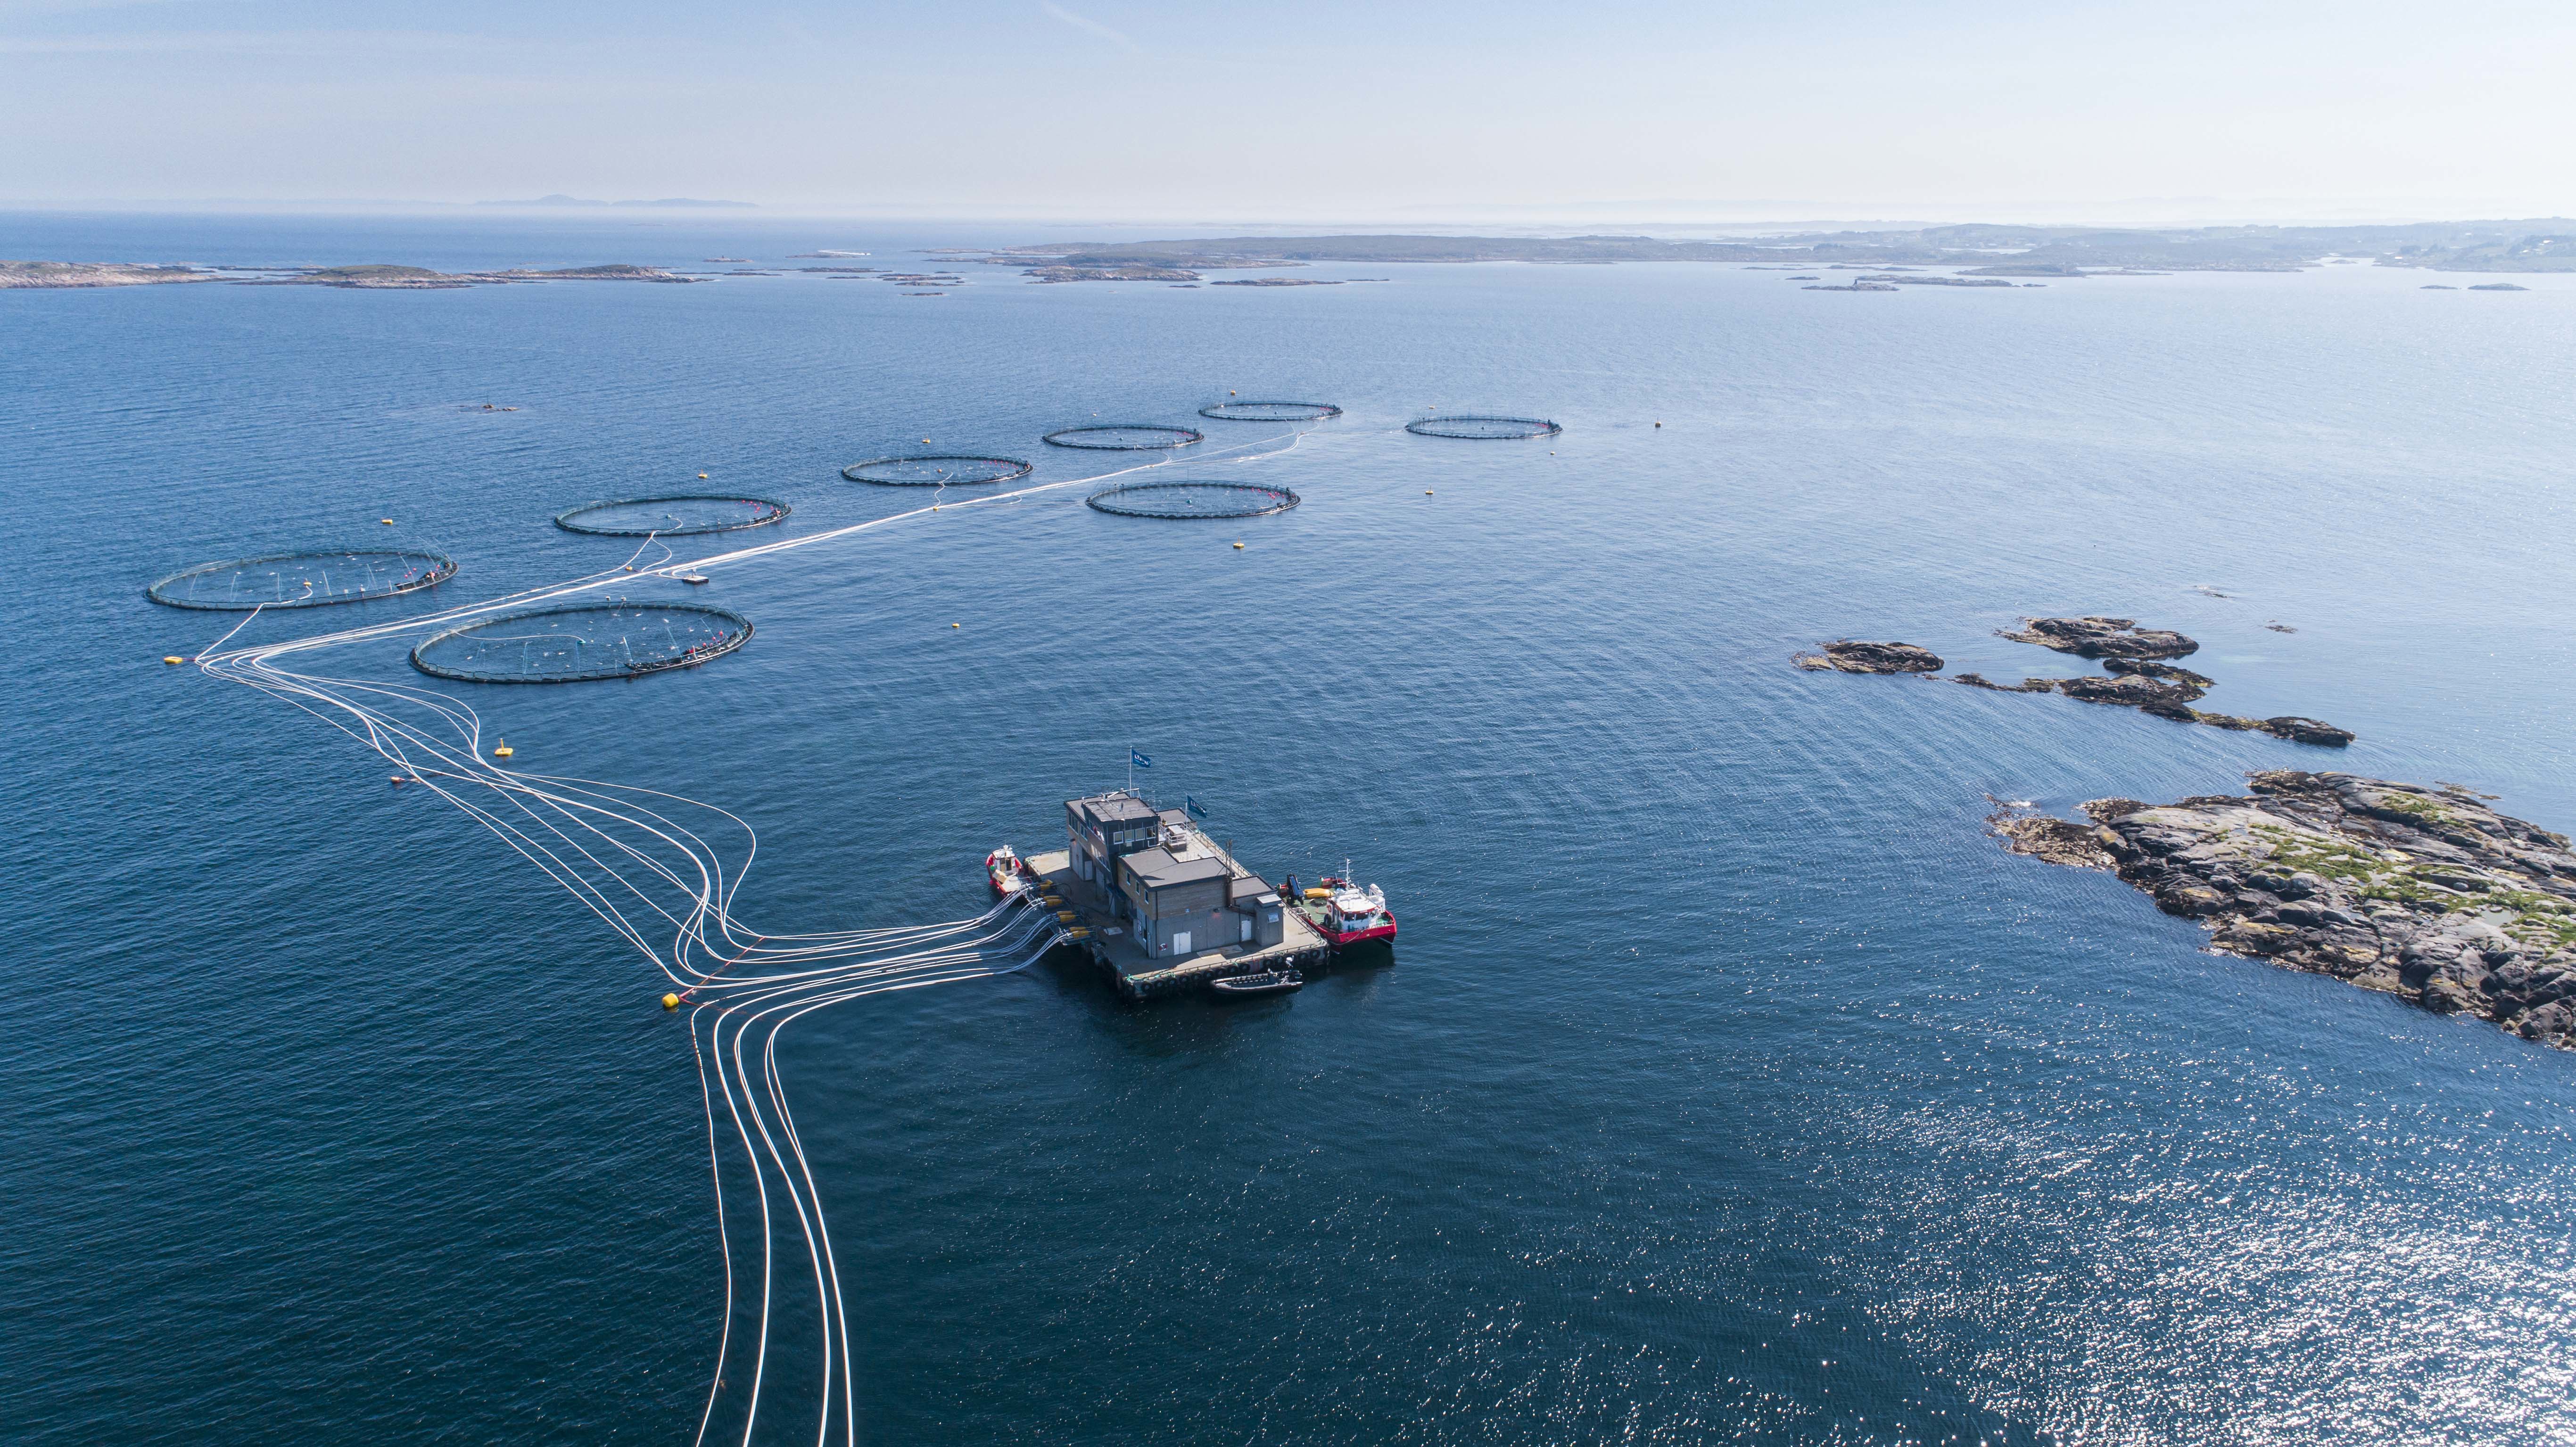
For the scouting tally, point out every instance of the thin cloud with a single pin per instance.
(1079, 22)
(278, 42)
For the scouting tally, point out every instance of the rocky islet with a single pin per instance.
(2426, 894)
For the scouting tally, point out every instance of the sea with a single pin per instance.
(1728, 1082)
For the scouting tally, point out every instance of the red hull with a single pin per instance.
(1005, 875)
(1342, 940)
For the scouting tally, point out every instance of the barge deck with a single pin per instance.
(1139, 976)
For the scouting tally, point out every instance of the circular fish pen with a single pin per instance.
(303, 580)
(1271, 411)
(1126, 437)
(581, 642)
(1193, 500)
(636, 517)
(1484, 429)
(935, 471)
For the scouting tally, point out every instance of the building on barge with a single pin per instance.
(1157, 904)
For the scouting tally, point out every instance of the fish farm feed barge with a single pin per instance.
(1161, 909)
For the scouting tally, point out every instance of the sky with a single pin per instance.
(1431, 112)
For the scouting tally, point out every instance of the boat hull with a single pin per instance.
(1003, 870)
(1344, 939)
(1276, 982)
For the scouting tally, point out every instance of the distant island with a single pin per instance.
(683, 202)
(421, 278)
(1989, 250)
(24, 274)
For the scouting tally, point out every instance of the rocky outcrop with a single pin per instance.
(1940, 280)
(2426, 894)
(421, 278)
(1846, 656)
(2102, 638)
(1060, 274)
(2138, 680)
(2133, 673)
(24, 274)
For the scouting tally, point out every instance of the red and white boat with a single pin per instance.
(1008, 871)
(1344, 912)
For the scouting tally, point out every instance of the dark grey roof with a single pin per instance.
(1106, 810)
(1247, 888)
(1174, 816)
(1157, 869)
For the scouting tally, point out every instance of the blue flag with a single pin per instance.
(1139, 760)
(1194, 806)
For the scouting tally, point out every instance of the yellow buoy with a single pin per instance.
(956, 625)
(503, 750)
(702, 477)
(388, 522)
(1238, 545)
(925, 439)
(670, 1002)
(1659, 424)
(1426, 492)
(172, 658)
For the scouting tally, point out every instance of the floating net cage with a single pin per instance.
(635, 517)
(1271, 411)
(303, 580)
(1484, 429)
(1126, 437)
(1193, 500)
(582, 641)
(935, 471)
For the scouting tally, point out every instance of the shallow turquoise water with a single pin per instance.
(1729, 1082)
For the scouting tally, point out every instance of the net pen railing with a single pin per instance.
(1271, 411)
(673, 516)
(1481, 428)
(303, 580)
(582, 642)
(1192, 500)
(938, 470)
(1125, 437)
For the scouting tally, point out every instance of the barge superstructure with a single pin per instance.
(1162, 908)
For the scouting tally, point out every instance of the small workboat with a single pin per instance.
(1008, 873)
(693, 578)
(1341, 911)
(1268, 982)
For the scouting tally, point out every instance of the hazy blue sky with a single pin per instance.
(1321, 110)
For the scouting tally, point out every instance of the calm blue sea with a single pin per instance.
(1728, 1084)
